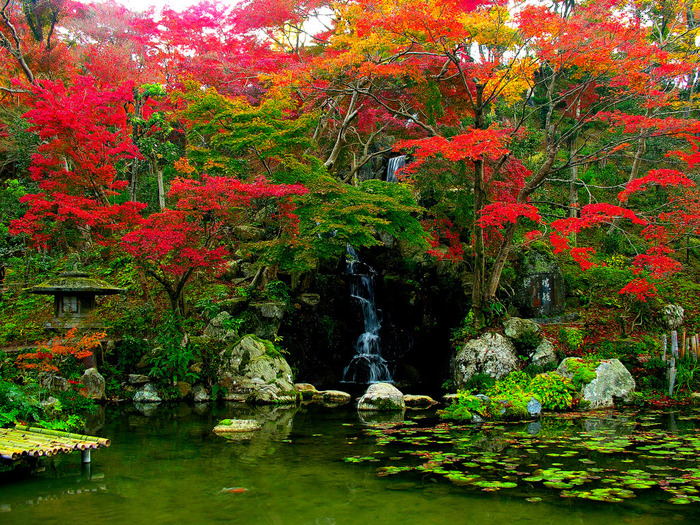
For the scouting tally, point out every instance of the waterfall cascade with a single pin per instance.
(367, 365)
(394, 165)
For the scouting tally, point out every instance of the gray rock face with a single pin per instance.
(490, 354)
(544, 354)
(250, 373)
(382, 397)
(147, 394)
(515, 327)
(539, 287)
(673, 315)
(93, 384)
(216, 329)
(613, 381)
(534, 407)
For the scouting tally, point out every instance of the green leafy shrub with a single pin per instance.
(510, 405)
(463, 408)
(516, 381)
(571, 337)
(479, 383)
(554, 391)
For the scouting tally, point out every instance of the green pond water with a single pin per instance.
(321, 466)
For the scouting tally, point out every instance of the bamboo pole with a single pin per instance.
(682, 345)
(674, 343)
(664, 343)
(39, 440)
(79, 437)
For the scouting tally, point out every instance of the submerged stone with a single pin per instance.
(237, 425)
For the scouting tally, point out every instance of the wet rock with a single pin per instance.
(334, 398)
(544, 354)
(612, 381)
(237, 425)
(200, 394)
(418, 402)
(252, 371)
(382, 397)
(382, 419)
(515, 327)
(138, 379)
(490, 354)
(307, 391)
(93, 384)
(147, 394)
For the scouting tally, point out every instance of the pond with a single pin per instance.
(321, 466)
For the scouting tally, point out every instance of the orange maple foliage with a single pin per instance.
(51, 355)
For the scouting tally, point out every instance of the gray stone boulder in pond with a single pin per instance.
(253, 371)
(382, 397)
(515, 327)
(539, 284)
(147, 394)
(93, 384)
(333, 398)
(490, 354)
(612, 381)
(418, 402)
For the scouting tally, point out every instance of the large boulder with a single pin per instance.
(382, 397)
(253, 371)
(517, 328)
(490, 354)
(612, 381)
(93, 384)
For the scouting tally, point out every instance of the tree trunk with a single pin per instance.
(478, 288)
(161, 187)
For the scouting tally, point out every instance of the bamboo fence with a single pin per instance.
(23, 441)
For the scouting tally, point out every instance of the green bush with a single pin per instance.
(463, 408)
(554, 391)
(571, 337)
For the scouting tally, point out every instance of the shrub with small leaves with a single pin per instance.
(554, 391)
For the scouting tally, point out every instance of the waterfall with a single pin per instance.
(368, 365)
(395, 164)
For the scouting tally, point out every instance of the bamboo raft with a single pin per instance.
(24, 441)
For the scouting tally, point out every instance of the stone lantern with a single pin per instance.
(74, 297)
